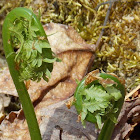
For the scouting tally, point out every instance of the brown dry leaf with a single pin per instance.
(54, 118)
(95, 75)
(92, 76)
(6, 83)
(4, 102)
(128, 117)
(76, 56)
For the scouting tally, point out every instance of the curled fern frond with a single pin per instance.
(97, 97)
(34, 57)
(22, 30)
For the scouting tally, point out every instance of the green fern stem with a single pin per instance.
(109, 125)
(10, 56)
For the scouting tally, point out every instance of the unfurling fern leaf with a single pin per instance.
(34, 56)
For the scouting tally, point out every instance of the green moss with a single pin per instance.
(119, 52)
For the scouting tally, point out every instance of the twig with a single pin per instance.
(61, 131)
(105, 21)
(132, 92)
(103, 3)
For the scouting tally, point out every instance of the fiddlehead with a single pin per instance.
(34, 57)
(98, 99)
(33, 60)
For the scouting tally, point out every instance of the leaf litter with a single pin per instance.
(126, 67)
(76, 58)
(48, 97)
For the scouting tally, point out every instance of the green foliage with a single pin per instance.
(31, 59)
(98, 101)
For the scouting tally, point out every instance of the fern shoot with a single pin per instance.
(33, 59)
